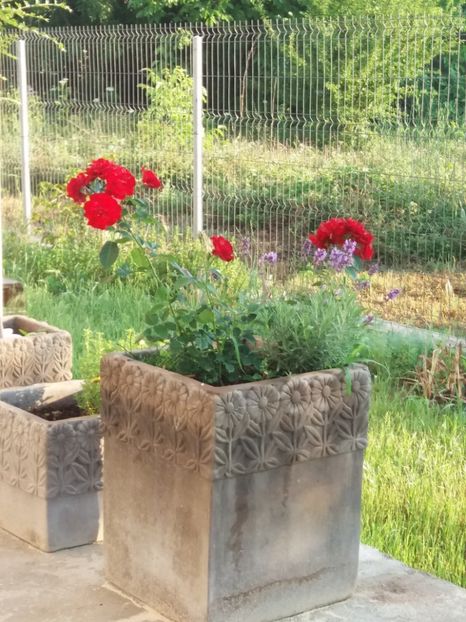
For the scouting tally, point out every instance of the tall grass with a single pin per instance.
(111, 312)
(414, 496)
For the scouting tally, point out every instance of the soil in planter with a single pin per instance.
(57, 414)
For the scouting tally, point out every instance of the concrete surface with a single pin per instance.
(68, 586)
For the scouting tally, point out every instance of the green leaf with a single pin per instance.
(352, 272)
(138, 257)
(206, 316)
(108, 254)
(156, 314)
(160, 332)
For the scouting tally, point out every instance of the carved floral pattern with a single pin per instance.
(48, 459)
(36, 357)
(224, 432)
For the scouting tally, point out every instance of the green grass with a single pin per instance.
(111, 312)
(414, 497)
(413, 493)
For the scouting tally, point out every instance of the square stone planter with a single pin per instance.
(50, 471)
(42, 354)
(232, 504)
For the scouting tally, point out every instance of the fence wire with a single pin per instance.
(304, 120)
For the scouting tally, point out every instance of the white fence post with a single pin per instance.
(1, 264)
(198, 135)
(24, 123)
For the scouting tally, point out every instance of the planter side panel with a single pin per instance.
(156, 502)
(50, 524)
(286, 540)
(156, 519)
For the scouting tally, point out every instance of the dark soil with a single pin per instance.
(55, 414)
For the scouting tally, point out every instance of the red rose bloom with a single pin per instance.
(102, 211)
(222, 248)
(99, 168)
(150, 179)
(75, 186)
(336, 230)
(119, 182)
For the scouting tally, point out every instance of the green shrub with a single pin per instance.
(317, 330)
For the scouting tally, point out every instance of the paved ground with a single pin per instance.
(68, 586)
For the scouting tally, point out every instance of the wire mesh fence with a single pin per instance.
(303, 120)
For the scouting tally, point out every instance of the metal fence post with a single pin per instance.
(198, 133)
(24, 124)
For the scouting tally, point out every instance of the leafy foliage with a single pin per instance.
(320, 329)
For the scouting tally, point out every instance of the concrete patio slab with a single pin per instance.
(68, 586)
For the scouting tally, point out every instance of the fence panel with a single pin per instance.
(303, 120)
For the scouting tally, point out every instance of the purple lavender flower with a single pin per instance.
(320, 256)
(368, 319)
(349, 247)
(244, 247)
(360, 285)
(339, 260)
(393, 293)
(373, 269)
(271, 258)
(308, 248)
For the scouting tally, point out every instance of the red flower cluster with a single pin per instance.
(336, 230)
(119, 182)
(222, 248)
(101, 186)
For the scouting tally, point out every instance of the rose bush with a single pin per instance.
(199, 327)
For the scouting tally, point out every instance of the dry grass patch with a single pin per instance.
(427, 300)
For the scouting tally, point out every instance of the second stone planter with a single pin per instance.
(232, 504)
(50, 471)
(39, 353)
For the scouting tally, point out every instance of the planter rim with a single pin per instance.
(25, 412)
(32, 325)
(41, 420)
(219, 390)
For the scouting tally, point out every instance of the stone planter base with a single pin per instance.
(50, 471)
(42, 354)
(232, 504)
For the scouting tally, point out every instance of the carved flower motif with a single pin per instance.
(230, 414)
(153, 389)
(360, 386)
(89, 433)
(37, 434)
(262, 403)
(326, 392)
(132, 377)
(295, 396)
(174, 402)
(6, 427)
(62, 442)
(110, 369)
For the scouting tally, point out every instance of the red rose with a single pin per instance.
(222, 248)
(75, 186)
(99, 168)
(102, 211)
(150, 179)
(336, 230)
(119, 182)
